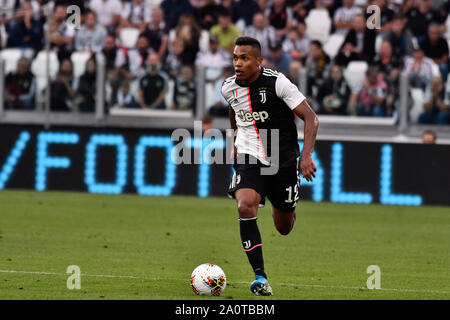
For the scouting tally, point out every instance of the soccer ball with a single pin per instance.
(208, 280)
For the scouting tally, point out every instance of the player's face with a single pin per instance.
(245, 62)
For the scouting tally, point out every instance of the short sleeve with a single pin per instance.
(223, 92)
(288, 92)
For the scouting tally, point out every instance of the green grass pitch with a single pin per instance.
(131, 247)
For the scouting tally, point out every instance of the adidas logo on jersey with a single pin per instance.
(250, 116)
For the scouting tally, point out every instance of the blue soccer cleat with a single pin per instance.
(261, 287)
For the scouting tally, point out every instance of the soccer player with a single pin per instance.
(262, 98)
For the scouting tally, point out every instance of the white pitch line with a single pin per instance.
(280, 284)
(86, 275)
(345, 287)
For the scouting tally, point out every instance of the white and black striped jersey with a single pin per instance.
(267, 103)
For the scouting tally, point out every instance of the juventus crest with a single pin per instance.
(262, 93)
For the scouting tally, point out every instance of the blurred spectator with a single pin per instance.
(175, 59)
(436, 47)
(371, 99)
(108, 13)
(39, 9)
(299, 9)
(227, 4)
(318, 66)
(207, 123)
(400, 37)
(63, 88)
(429, 137)
(280, 17)
(137, 57)
(245, 10)
(188, 30)
(214, 60)
(220, 105)
(8, 12)
(263, 5)
(277, 59)
(386, 62)
(185, 91)
(225, 31)
(399, 6)
(91, 35)
(66, 3)
(135, 14)
(297, 42)
(153, 85)
(420, 16)
(110, 52)
(333, 95)
(437, 104)
(262, 31)
(116, 66)
(155, 33)
(27, 31)
(386, 15)
(196, 4)
(20, 87)
(359, 44)
(173, 9)
(419, 68)
(209, 13)
(61, 33)
(87, 88)
(345, 15)
(390, 66)
(124, 97)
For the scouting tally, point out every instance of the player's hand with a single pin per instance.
(307, 168)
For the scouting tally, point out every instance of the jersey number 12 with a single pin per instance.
(289, 190)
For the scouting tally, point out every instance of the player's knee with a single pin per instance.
(247, 210)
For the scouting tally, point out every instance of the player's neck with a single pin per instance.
(250, 80)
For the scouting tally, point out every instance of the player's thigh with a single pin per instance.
(284, 191)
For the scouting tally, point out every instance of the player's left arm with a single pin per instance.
(304, 112)
(296, 101)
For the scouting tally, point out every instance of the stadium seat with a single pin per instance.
(333, 44)
(318, 25)
(79, 59)
(355, 72)
(128, 37)
(418, 97)
(39, 69)
(39, 64)
(240, 24)
(10, 58)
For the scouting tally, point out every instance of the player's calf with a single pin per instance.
(284, 222)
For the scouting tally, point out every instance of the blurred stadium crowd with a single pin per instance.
(152, 50)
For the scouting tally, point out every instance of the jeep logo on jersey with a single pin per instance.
(250, 116)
